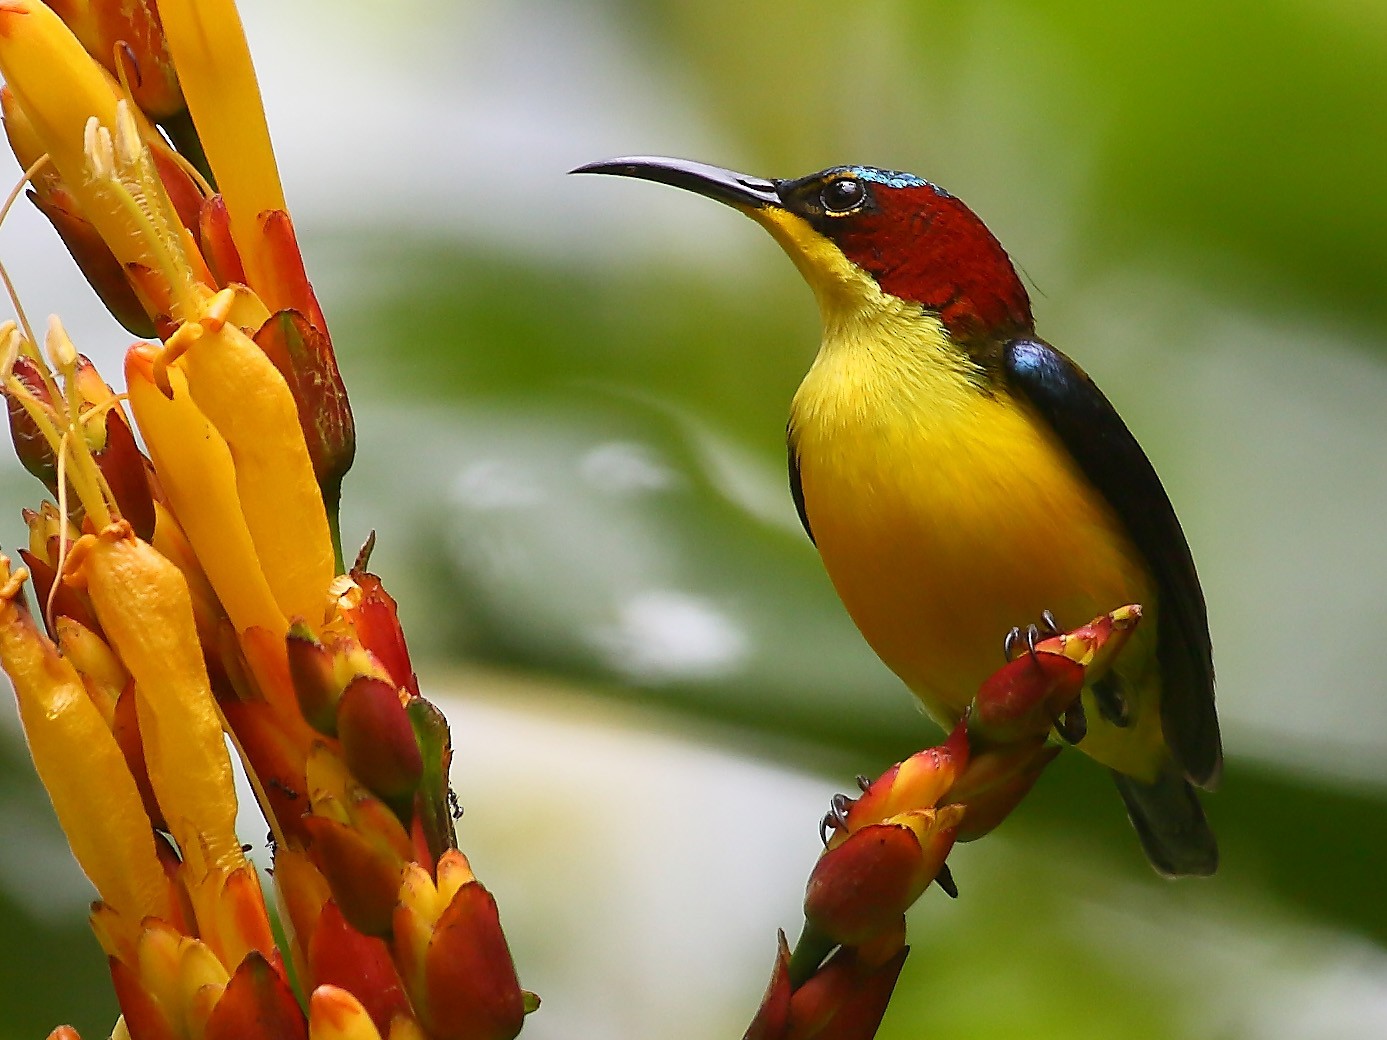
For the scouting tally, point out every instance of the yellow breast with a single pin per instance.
(946, 512)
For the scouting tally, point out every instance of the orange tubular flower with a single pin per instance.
(197, 593)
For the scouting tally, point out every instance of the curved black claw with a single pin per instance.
(945, 880)
(836, 819)
(1044, 629)
(1009, 643)
(1112, 703)
(864, 782)
(1072, 726)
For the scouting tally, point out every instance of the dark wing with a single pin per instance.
(1113, 461)
(796, 487)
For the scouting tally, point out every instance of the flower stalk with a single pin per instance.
(883, 850)
(194, 591)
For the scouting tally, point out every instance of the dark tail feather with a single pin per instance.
(1170, 823)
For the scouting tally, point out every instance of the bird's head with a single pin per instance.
(857, 234)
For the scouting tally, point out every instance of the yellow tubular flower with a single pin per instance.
(242, 393)
(142, 602)
(81, 766)
(218, 80)
(37, 53)
(195, 468)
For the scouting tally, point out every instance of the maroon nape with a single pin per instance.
(922, 244)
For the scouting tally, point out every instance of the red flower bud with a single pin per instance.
(257, 1004)
(314, 678)
(303, 355)
(364, 874)
(378, 742)
(339, 955)
(845, 999)
(860, 888)
(126, 471)
(1023, 698)
(473, 993)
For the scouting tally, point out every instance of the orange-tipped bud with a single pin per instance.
(335, 1014)
(284, 266)
(1021, 700)
(378, 741)
(372, 616)
(313, 672)
(356, 841)
(144, 1014)
(339, 955)
(453, 956)
(64, 1033)
(364, 875)
(862, 886)
(917, 783)
(257, 1004)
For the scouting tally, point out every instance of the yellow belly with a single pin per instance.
(944, 516)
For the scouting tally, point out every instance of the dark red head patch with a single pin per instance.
(919, 243)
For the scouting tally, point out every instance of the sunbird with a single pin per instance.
(961, 478)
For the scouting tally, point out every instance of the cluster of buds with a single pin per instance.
(194, 590)
(884, 849)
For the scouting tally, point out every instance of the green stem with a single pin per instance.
(811, 948)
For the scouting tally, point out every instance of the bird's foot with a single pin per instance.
(836, 819)
(1030, 635)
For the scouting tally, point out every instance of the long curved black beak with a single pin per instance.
(735, 189)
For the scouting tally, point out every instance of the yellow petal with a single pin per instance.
(239, 389)
(81, 766)
(144, 608)
(453, 872)
(214, 68)
(195, 469)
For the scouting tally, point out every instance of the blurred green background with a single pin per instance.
(571, 396)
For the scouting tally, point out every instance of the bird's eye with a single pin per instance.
(843, 195)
